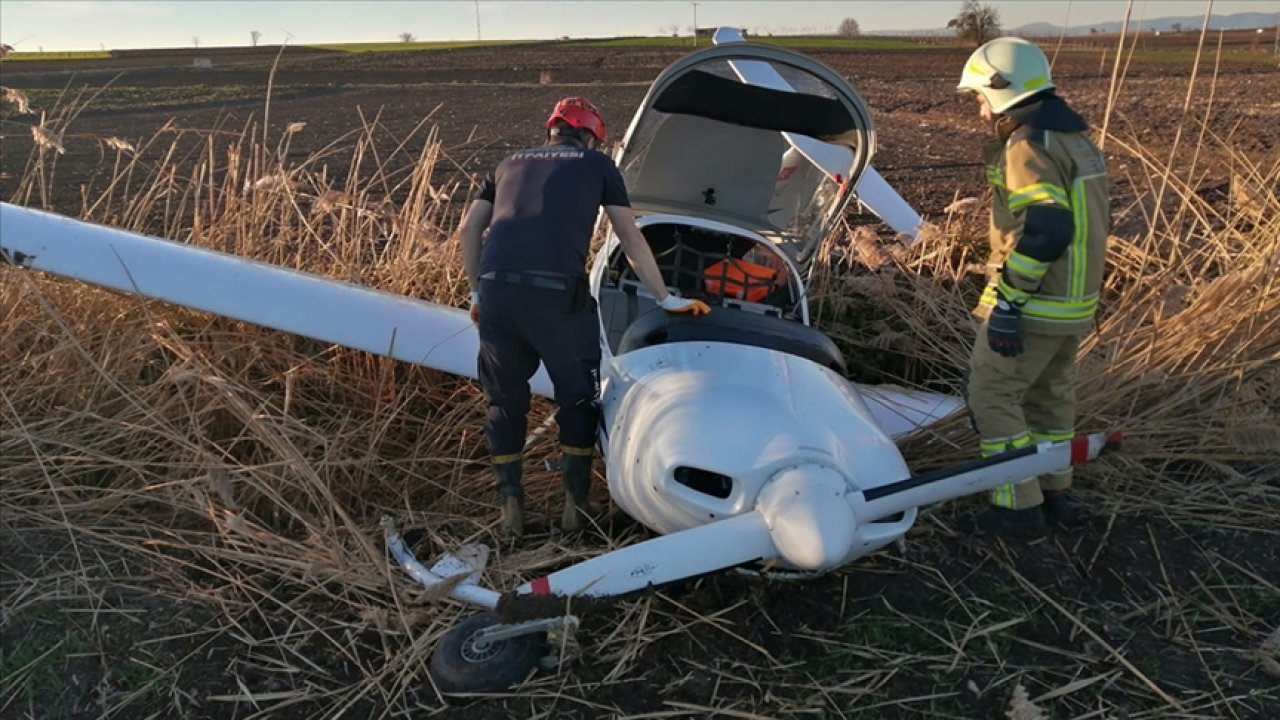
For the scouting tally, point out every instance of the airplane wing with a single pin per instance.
(901, 411)
(872, 190)
(317, 307)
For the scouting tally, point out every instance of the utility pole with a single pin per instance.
(477, 20)
(695, 23)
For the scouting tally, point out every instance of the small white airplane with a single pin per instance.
(734, 436)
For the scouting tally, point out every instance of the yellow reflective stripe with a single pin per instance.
(1079, 268)
(1026, 266)
(1052, 436)
(995, 175)
(1079, 257)
(1000, 496)
(1051, 308)
(988, 295)
(1067, 303)
(1038, 192)
(994, 446)
(1017, 295)
(1004, 495)
(504, 459)
(572, 450)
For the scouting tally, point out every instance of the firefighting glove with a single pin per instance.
(673, 304)
(475, 308)
(1004, 327)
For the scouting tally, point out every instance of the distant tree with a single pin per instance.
(975, 23)
(1093, 31)
(406, 37)
(849, 28)
(255, 36)
(673, 29)
(1176, 27)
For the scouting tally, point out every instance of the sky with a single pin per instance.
(31, 25)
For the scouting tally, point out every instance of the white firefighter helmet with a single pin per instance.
(1006, 71)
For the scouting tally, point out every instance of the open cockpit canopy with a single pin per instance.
(753, 136)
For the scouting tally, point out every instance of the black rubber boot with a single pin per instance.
(1064, 510)
(511, 495)
(577, 488)
(1024, 524)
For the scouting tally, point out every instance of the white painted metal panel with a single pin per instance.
(317, 307)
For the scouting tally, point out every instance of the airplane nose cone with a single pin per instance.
(809, 519)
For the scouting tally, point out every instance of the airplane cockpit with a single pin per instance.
(756, 294)
(723, 268)
(738, 163)
(754, 143)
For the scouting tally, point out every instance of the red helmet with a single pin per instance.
(579, 113)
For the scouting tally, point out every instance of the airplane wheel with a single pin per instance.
(460, 664)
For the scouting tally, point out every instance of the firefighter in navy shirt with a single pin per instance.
(530, 298)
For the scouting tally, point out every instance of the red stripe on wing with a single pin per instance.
(1079, 449)
(540, 587)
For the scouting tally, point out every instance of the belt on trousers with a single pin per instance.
(538, 281)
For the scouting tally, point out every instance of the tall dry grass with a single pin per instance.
(209, 459)
(244, 466)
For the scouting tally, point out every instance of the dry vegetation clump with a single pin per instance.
(153, 456)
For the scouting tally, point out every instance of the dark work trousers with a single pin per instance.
(520, 325)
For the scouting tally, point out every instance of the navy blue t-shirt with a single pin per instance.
(545, 201)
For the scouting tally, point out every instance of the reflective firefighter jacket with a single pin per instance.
(1050, 217)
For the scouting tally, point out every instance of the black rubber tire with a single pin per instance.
(457, 667)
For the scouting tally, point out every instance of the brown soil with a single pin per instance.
(488, 101)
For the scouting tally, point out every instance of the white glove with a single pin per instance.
(673, 304)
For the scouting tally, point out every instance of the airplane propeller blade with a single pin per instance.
(872, 190)
(689, 553)
(982, 474)
(880, 198)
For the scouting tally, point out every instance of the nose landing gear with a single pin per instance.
(484, 655)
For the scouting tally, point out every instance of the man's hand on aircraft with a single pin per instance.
(673, 304)
(475, 308)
